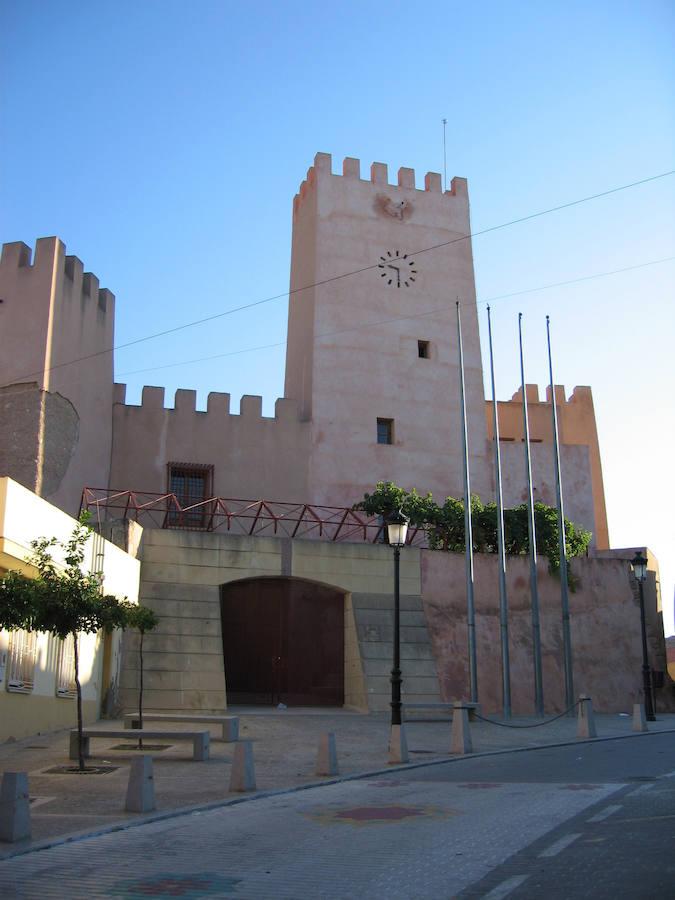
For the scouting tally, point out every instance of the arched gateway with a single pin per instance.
(283, 641)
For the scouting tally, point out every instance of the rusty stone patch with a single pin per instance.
(166, 885)
(378, 815)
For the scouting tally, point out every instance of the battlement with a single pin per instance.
(50, 260)
(379, 176)
(246, 451)
(576, 417)
(217, 405)
(581, 395)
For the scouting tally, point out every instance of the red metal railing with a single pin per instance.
(263, 518)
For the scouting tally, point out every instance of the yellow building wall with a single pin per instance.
(24, 517)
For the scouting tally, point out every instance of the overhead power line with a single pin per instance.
(333, 278)
(431, 312)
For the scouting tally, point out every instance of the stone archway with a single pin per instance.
(283, 641)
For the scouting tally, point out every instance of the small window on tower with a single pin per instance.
(385, 431)
(423, 349)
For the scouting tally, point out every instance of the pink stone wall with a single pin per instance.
(53, 312)
(575, 475)
(353, 353)
(605, 626)
(253, 456)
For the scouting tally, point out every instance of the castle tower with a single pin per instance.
(55, 419)
(372, 357)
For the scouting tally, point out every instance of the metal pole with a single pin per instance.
(532, 541)
(503, 602)
(445, 167)
(646, 670)
(468, 530)
(564, 597)
(396, 671)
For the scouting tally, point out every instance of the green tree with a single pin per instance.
(143, 619)
(63, 600)
(444, 525)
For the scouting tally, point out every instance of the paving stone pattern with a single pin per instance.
(349, 840)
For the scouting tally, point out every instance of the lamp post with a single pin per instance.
(639, 564)
(397, 530)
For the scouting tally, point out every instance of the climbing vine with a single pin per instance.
(444, 525)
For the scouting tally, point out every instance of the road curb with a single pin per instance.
(75, 837)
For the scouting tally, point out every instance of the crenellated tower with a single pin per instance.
(372, 352)
(58, 431)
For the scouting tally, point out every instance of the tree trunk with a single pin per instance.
(78, 688)
(140, 690)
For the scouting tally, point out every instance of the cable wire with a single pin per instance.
(536, 724)
(431, 312)
(334, 278)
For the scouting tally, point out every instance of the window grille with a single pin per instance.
(65, 670)
(191, 484)
(21, 663)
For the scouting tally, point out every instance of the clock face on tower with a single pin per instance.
(397, 270)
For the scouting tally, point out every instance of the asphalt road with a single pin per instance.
(622, 847)
(588, 820)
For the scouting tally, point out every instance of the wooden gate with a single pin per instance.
(283, 641)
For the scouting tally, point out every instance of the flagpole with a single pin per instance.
(503, 601)
(468, 530)
(564, 597)
(532, 541)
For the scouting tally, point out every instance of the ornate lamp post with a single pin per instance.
(397, 530)
(639, 564)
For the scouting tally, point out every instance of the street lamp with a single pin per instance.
(639, 564)
(397, 529)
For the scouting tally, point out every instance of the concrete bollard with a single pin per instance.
(326, 760)
(398, 745)
(231, 729)
(14, 807)
(585, 718)
(141, 787)
(242, 776)
(460, 735)
(639, 717)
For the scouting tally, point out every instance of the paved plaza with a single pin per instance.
(509, 824)
(284, 744)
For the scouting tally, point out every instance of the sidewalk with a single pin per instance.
(285, 746)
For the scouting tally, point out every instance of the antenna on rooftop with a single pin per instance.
(445, 166)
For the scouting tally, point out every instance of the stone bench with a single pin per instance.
(230, 723)
(473, 708)
(200, 739)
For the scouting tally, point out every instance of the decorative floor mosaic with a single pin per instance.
(378, 815)
(169, 885)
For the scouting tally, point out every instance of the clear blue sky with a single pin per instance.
(163, 142)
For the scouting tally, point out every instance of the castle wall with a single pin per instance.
(181, 573)
(583, 489)
(362, 370)
(575, 476)
(253, 456)
(53, 313)
(605, 629)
